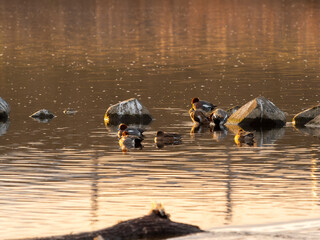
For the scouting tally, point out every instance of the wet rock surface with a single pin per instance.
(4, 126)
(129, 111)
(260, 112)
(43, 115)
(4, 109)
(314, 123)
(306, 116)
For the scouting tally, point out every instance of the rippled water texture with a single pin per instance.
(69, 175)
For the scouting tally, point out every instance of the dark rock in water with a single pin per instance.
(129, 111)
(4, 109)
(155, 225)
(309, 131)
(232, 110)
(43, 115)
(314, 123)
(306, 116)
(260, 112)
(4, 126)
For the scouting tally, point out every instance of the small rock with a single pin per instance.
(4, 109)
(314, 122)
(70, 111)
(306, 116)
(129, 111)
(260, 112)
(43, 114)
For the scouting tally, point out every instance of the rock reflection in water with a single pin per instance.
(309, 131)
(4, 126)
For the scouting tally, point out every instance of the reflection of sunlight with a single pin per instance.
(314, 180)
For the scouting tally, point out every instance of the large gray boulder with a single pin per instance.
(306, 116)
(128, 111)
(4, 109)
(258, 113)
(314, 122)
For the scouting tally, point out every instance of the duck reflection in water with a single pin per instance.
(219, 132)
(244, 138)
(131, 131)
(128, 142)
(163, 139)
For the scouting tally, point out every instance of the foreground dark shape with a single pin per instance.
(156, 225)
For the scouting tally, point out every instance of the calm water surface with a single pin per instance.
(69, 175)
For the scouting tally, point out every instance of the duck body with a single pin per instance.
(199, 117)
(244, 137)
(219, 117)
(131, 131)
(203, 105)
(127, 141)
(162, 139)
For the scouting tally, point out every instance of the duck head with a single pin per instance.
(123, 126)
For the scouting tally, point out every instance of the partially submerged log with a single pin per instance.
(155, 225)
(129, 111)
(4, 109)
(306, 116)
(260, 112)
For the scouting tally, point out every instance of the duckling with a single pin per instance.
(162, 138)
(244, 137)
(131, 131)
(219, 117)
(127, 141)
(199, 117)
(205, 106)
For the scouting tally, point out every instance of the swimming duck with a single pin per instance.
(199, 117)
(198, 104)
(219, 117)
(244, 137)
(162, 139)
(131, 131)
(127, 141)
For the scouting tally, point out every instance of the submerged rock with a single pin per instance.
(129, 111)
(4, 109)
(260, 112)
(70, 111)
(43, 115)
(306, 116)
(314, 123)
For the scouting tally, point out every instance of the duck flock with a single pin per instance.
(201, 113)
